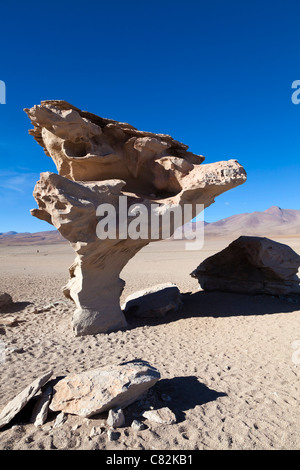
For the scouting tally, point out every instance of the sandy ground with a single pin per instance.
(225, 359)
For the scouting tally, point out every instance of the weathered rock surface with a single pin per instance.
(16, 405)
(103, 389)
(5, 300)
(160, 416)
(99, 161)
(153, 302)
(253, 265)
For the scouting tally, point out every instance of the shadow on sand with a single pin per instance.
(223, 304)
(14, 307)
(186, 393)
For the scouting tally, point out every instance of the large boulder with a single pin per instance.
(252, 265)
(111, 165)
(102, 389)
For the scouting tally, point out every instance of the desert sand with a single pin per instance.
(225, 359)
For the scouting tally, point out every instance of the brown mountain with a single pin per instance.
(39, 238)
(271, 222)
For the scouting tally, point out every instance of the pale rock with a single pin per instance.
(96, 431)
(138, 425)
(8, 321)
(102, 389)
(153, 302)
(252, 265)
(61, 418)
(160, 416)
(16, 405)
(99, 160)
(40, 410)
(116, 418)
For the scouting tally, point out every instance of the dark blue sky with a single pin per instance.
(214, 74)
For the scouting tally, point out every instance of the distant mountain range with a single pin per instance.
(50, 237)
(269, 223)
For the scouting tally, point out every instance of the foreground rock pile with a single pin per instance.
(98, 161)
(253, 265)
(107, 389)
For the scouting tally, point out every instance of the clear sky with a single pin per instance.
(214, 74)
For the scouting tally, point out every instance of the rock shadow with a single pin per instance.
(184, 393)
(15, 307)
(217, 304)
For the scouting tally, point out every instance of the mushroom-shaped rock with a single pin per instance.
(108, 172)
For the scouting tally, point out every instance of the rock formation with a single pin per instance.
(253, 265)
(99, 161)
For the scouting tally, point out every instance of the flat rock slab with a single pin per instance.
(16, 405)
(153, 302)
(102, 389)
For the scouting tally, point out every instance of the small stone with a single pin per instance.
(161, 416)
(40, 410)
(5, 299)
(8, 321)
(96, 431)
(113, 435)
(61, 418)
(77, 426)
(116, 418)
(138, 425)
(14, 350)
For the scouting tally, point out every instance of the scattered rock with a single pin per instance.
(5, 300)
(161, 416)
(8, 321)
(12, 350)
(113, 435)
(254, 265)
(138, 425)
(102, 389)
(116, 418)
(75, 427)
(40, 410)
(61, 418)
(15, 405)
(48, 307)
(153, 302)
(96, 431)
